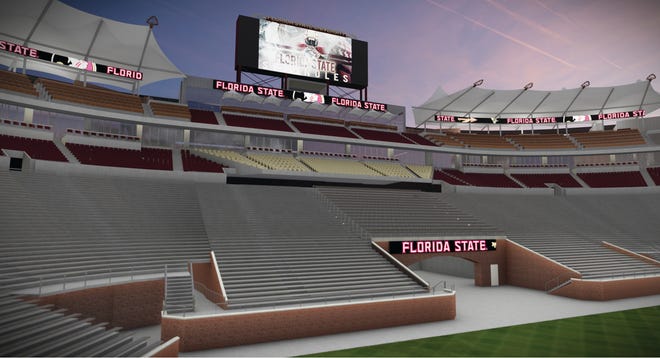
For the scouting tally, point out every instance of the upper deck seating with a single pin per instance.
(95, 97)
(321, 126)
(439, 174)
(193, 163)
(441, 139)
(338, 166)
(655, 174)
(542, 141)
(422, 171)
(147, 158)
(322, 129)
(613, 179)
(35, 148)
(230, 157)
(16, 82)
(373, 134)
(247, 118)
(203, 116)
(418, 139)
(539, 180)
(484, 179)
(280, 161)
(390, 169)
(164, 109)
(493, 141)
(601, 139)
(243, 120)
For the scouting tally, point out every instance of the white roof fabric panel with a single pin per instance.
(64, 30)
(487, 103)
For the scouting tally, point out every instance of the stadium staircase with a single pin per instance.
(30, 330)
(66, 152)
(179, 294)
(280, 246)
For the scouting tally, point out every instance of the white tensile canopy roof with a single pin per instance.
(52, 26)
(475, 102)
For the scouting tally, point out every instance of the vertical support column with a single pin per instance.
(28, 115)
(300, 145)
(390, 153)
(428, 158)
(347, 149)
(246, 141)
(186, 138)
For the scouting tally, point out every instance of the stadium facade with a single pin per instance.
(244, 212)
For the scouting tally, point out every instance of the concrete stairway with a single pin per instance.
(179, 294)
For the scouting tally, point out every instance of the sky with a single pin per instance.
(416, 46)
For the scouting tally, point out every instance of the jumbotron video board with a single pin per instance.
(275, 48)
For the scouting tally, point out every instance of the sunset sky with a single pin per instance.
(417, 45)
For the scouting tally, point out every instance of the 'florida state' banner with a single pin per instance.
(303, 96)
(68, 61)
(542, 120)
(440, 246)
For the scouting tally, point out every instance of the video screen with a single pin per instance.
(305, 52)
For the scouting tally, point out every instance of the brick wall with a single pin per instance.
(263, 326)
(205, 273)
(610, 289)
(129, 305)
(526, 268)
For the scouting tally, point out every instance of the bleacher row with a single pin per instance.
(571, 229)
(281, 245)
(91, 95)
(31, 330)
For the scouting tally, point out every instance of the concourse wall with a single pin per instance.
(610, 289)
(233, 329)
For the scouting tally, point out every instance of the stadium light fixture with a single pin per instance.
(528, 86)
(650, 77)
(152, 21)
(478, 83)
(585, 84)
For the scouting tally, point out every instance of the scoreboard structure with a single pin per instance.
(299, 53)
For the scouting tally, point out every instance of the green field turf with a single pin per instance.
(626, 333)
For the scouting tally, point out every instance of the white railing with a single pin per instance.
(401, 266)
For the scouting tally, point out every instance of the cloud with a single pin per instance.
(502, 34)
(525, 20)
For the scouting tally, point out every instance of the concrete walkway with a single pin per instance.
(477, 308)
